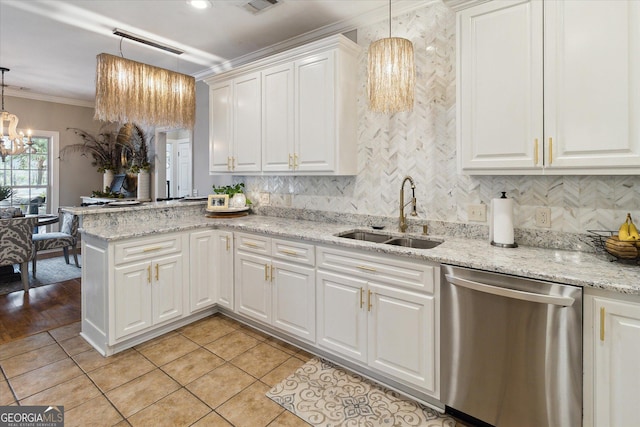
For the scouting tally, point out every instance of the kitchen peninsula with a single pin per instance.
(152, 268)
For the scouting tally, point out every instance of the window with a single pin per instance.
(32, 177)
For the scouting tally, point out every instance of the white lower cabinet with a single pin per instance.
(366, 316)
(203, 265)
(611, 349)
(224, 268)
(274, 291)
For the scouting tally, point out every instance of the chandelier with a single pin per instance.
(391, 74)
(13, 143)
(132, 92)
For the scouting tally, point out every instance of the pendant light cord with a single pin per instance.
(389, 18)
(3, 89)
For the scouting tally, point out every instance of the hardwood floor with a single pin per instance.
(42, 309)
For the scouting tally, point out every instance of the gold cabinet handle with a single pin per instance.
(295, 161)
(550, 151)
(266, 272)
(153, 248)
(369, 301)
(290, 161)
(227, 239)
(272, 273)
(289, 252)
(233, 163)
(361, 297)
(149, 274)
(157, 272)
(601, 323)
(228, 163)
(535, 152)
(366, 267)
(251, 245)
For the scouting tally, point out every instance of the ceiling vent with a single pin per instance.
(257, 6)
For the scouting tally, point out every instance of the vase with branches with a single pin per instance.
(104, 148)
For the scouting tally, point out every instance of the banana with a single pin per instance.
(628, 231)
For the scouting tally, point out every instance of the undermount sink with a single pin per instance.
(368, 236)
(413, 242)
(376, 237)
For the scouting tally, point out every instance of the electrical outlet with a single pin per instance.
(477, 213)
(543, 217)
(264, 199)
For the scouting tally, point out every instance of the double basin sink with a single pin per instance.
(388, 239)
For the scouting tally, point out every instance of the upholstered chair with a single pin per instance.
(16, 244)
(66, 238)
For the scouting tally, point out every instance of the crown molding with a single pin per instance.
(49, 98)
(458, 5)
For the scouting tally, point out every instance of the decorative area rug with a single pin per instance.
(324, 394)
(49, 270)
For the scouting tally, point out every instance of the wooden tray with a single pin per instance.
(227, 214)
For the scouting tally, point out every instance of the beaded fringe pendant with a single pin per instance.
(391, 75)
(132, 92)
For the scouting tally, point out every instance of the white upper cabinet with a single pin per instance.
(295, 110)
(549, 87)
(234, 124)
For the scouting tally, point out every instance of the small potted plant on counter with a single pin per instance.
(237, 198)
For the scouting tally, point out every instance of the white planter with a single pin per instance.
(107, 179)
(144, 184)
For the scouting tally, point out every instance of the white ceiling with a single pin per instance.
(51, 45)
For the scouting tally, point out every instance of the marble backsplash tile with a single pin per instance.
(422, 144)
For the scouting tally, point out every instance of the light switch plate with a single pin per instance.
(477, 212)
(265, 199)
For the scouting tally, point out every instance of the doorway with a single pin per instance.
(174, 167)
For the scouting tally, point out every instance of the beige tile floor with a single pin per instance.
(214, 372)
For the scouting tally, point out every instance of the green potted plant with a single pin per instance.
(232, 190)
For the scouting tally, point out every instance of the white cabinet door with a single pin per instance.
(315, 131)
(203, 268)
(132, 298)
(592, 84)
(342, 314)
(247, 121)
(220, 126)
(616, 346)
(294, 309)
(167, 288)
(402, 335)
(253, 286)
(277, 119)
(500, 86)
(224, 268)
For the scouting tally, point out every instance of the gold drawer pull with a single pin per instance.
(266, 272)
(367, 268)
(157, 271)
(251, 245)
(272, 273)
(153, 248)
(361, 297)
(550, 150)
(535, 152)
(295, 161)
(289, 252)
(149, 274)
(369, 302)
(227, 239)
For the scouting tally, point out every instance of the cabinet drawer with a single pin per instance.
(140, 249)
(253, 243)
(416, 275)
(302, 253)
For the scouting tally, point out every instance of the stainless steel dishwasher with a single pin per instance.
(511, 349)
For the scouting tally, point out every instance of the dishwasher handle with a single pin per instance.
(510, 293)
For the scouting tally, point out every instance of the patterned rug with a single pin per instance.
(49, 270)
(325, 395)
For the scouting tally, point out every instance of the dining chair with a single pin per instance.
(16, 245)
(66, 238)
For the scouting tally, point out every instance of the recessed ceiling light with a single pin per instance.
(199, 4)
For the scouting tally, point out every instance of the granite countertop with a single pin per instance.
(569, 267)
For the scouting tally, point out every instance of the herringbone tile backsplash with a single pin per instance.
(422, 144)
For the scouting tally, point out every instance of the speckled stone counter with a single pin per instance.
(563, 266)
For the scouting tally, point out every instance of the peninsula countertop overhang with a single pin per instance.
(569, 267)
